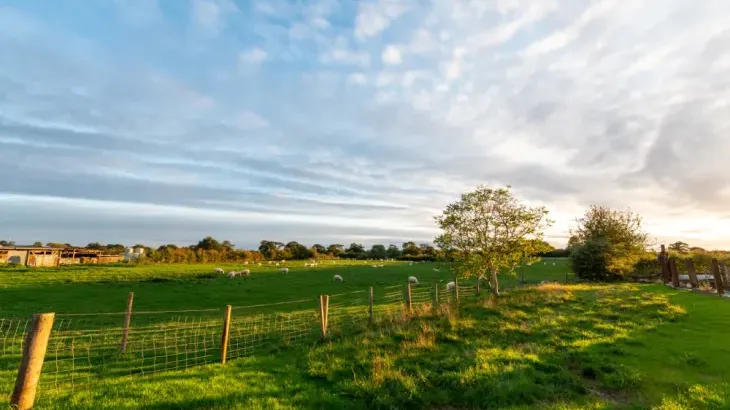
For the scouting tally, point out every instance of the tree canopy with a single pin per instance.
(608, 243)
(491, 229)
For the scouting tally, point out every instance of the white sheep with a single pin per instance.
(413, 280)
(245, 272)
(219, 271)
(277, 263)
(245, 263)
(233, 274)
(337, 278)
(284, 270)
(451, 285)
(436, 270)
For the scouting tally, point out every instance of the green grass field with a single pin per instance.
(536, 346)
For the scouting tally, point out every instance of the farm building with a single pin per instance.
(35, 256)
(30, 255)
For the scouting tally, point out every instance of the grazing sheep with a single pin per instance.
(245, 272)
(219, 271)
(277, 263)
(245, 263)
(450, 286)
(337, 278)
(233, 274)
(284, 270)
(413, 280)
(436, 270)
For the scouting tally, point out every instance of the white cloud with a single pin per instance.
(375, 16)
(357, 78)
(209, 15)
(392, 55)
(253, 56)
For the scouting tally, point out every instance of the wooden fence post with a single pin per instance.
(127, 322)
(409, 299)
(226, 334)
(476, 290)
(663, 264)
(370, 307)
(456, 289)
(435, 294)
(673, 270)
(324, 307)
(31, 364)
(718, 277)
(690, 265)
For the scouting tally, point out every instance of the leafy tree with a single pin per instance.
(95, 245)
(378, 252)
(227, 246)
(393, 252)
(609, 243)
(427, 249)
(355, 248)
(679, 246)
(297, 250)
(38, 243)
(491, 229)
(319, 249)
(58, 245)
(410, 249)
(208, 243)
(7, 243)
(115, 248)
(270, 249)
(336, 249)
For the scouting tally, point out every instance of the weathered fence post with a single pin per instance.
(324, 307)
(673, 271)
(690, 265)
(226, 334)
(370, 306)
(127, 322)
(31, 364)
(663, 264)
(435, 294)
(476, 290)
(409, 300)
(456, 289)
(718, 277)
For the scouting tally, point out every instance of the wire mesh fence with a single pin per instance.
(84, 349)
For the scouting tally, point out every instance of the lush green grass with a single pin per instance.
(550, 346)
(87, 289)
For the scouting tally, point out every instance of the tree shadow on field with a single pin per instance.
(536, 347)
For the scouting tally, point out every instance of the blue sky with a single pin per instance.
(338, 121)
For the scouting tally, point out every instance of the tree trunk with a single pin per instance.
(494, 282)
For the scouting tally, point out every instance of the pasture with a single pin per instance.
(550, 346)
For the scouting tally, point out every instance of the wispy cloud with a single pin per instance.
(357, 121)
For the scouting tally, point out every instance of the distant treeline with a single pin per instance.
(211, 250)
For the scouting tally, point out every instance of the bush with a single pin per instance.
(597, 259)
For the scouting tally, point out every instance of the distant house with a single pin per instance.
(40, 256)
(133, 254)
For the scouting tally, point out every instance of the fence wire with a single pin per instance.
(87, 348)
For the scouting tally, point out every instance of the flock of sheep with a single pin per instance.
(337, 278)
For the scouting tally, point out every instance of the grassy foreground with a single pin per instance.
(549, 346)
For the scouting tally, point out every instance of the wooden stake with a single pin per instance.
(226, 332)
(435, 294)
(477, 288)
(664, 265)
(127, 322)
(690, 265)
(31, 364)
(718, 277)
(408, 297)
(456, 289)
(370, 307)
(673, 271)
(324, 306)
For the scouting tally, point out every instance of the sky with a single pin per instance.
(338, 121)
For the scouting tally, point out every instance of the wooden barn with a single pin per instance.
(40, 256)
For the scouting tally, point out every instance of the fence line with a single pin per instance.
(85, 348)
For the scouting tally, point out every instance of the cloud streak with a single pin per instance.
(358, 121)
